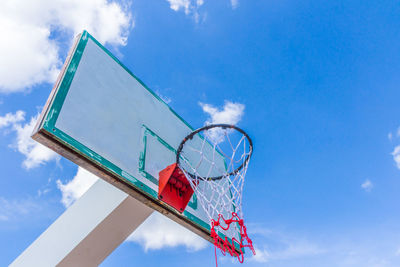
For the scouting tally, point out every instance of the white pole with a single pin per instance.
(88, 231)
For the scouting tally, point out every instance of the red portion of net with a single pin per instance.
(227, 246)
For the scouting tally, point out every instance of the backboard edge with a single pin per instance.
(50, 99)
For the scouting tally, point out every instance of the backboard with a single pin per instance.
(103, 118)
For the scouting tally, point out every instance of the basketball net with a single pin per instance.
(217, 177)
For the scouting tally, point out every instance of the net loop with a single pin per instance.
(231, 247)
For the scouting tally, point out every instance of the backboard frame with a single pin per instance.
(49, 135)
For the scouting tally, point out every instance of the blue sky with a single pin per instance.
(320, 85)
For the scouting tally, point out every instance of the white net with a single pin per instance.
(215, 162)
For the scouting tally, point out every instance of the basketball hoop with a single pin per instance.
(214, 160)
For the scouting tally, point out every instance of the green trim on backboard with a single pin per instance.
(62, 91)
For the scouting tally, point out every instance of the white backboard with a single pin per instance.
(103, 118)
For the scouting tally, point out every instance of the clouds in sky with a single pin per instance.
(261, 256)
(35, 153)
(11, 119)
(394, 136)
(234, 4)
(190, 7)
(158, 232)
(76, 187)
(396, 151)
(367, 185)
(396, 156)
(296, 249)
(15, 209)
(390, 136)
(231, 113)
(180, 4)
(274, 246)
(32, 55)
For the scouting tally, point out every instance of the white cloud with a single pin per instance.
(280, 246)
(35, 153)
(190, 7)
(75, 188)
(231, 113)
(180, 4)
(396, 156)
(234, 4)
(288, 250)
(10, 119)
(296, 249)
(390, 136)
(166, 99)
(367, 185)
(158, 232)
(31, 57)
(30, 50)
(362, 258)
(261, 255)
(13, 209)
